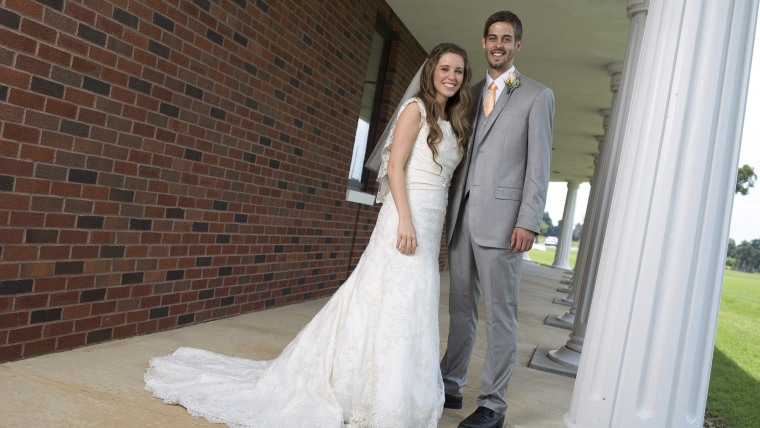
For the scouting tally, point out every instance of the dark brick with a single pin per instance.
(249, 157)
(194, 92)
(159, 49)
(69, 268)
(226, 301)
(298, 123)
(218, 113)
(203, 4)
(132, 278)
(206, 294)
(55, 4)
(225, 271)
(269, 303)
(214, 36)
(93, 295)
(251, 103)
(279, 248)
(41, 236)
(175, 213)
(279, 62)
(112, 251)
(220, 205)
(274, 163)
(268, 277)
(140, 224)
(282, 184)
(307, 70)
(121, 195)
(63, 75)
(17, 286)
(89, 222)
(99, 335)
(250, 68)
(241, 218)
(259, 258)
(163, 22)
(47, 87)
(125, 17)
(45, 315)
(280, 95)
(159, 312)
(241, 3)
(88, 33)
(200, 226)
(240, 39)
(265, 141)
(262, 5)
(307, 40)
(286, 291)
(185, 319)
(139, 85)
(174, 275)
(203, 261)
(222, 239)
(193, 155)
(96, 85)
(169, 110)
(9, 19)
(74, 128)
(6, 183)
(82, 176)
(3, 92)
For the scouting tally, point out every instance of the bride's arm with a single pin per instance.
(407, 128)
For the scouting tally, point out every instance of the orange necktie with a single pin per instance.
(490, 99)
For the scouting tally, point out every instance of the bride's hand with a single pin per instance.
(406, 238)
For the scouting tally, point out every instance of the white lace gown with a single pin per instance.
(369, 358)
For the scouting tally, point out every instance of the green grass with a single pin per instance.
(547, 257)
(735, 376)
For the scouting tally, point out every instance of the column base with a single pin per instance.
(561, 301)
(555, 321)
(540, 361)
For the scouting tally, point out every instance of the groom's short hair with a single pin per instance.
(504, 16)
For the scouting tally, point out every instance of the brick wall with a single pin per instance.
(167, 162)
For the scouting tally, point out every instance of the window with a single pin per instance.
(366, 128)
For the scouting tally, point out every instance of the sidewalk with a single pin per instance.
(102, 386)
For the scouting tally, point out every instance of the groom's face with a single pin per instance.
(500, 46)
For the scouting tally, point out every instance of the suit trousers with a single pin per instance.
(494, 273)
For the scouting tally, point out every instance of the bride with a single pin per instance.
(369, 358)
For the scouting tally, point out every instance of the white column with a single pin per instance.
(649, 343)
(562, 256)
(622, 77)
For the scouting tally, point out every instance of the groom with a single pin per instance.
(494, 214)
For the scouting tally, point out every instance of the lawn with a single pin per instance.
(735, 376)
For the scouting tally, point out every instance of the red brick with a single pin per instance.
(87, 324)
(22, 133)
(72, 341)
(64, 298)
(124, 331)
(54, 55)
(26, 99)
(37, 153)
(17, 42)
(10, 352)
(32, 301)
(74, 44)
(79, 97)
(25, 7)
(8, 271)
(32, 65)
(57, 220)
(54, 252)
(13, 77)
(37, 269)
(38, 31)
(25, 334)
(75, 312)
(58, 328)
(80, 13)
(39, 347)
(14, 319)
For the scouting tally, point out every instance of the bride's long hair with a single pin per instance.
(457, 106)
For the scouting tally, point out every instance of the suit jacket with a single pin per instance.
(507, 165)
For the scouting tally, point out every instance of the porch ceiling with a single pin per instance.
(567, 45)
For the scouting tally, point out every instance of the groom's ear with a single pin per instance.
(483, 42)
(518, 46)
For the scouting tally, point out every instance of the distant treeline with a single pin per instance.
(745, 256)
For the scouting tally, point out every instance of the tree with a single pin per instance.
(746, 256)
(546, 224)
(577, 230)
(745, 179)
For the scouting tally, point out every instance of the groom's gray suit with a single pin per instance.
(500, 185)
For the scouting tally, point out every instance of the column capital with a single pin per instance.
(615, 70)
(636, 7)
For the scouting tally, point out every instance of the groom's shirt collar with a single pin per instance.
(500, 82)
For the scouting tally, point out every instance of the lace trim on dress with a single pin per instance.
(384, 185)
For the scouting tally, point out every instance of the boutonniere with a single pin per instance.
(512, 82)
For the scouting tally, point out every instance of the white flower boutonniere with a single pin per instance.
(512, 82)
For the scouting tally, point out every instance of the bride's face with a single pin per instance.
(448, 75)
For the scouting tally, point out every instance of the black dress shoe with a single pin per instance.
(452, 401)
(483, 417)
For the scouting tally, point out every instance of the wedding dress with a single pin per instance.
(370, 357)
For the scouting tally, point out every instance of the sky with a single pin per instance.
(745, 217)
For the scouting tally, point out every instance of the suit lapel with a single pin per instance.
(501, 103)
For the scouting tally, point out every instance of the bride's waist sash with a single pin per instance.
(420, 179)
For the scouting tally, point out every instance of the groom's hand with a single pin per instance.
(522, 240)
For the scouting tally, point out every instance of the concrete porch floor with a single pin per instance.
(102, 385)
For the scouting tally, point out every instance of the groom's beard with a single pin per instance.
(503, 63)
